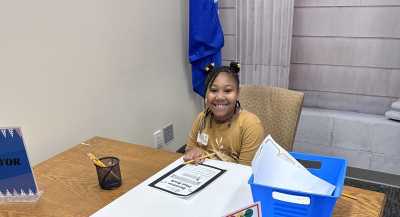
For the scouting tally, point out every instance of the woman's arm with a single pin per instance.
(252, 136)
(193, 151)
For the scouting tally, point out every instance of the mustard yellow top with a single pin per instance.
(234, 141)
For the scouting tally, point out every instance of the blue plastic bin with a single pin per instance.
(331, 169)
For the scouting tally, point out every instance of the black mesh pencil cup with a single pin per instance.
(109, 176)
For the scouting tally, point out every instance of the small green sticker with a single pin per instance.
(248, 213)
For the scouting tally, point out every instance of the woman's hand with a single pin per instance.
(194, 153)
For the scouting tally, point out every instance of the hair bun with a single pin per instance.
(235, 67)
(209, 67)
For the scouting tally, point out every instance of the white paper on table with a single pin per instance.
(274, 166)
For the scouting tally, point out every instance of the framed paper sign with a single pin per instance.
(187, 179)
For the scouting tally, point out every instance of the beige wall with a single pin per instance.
(70, 70)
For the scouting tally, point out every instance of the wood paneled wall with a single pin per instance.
(346, 54)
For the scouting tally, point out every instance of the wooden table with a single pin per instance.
(70, 187)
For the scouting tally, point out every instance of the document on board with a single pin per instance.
(187, 179)
(274, 166)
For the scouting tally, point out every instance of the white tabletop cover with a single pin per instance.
(224, 195)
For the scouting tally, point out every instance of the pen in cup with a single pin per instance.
(103, 169)
(95, 160)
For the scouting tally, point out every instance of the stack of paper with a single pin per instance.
(273, 166)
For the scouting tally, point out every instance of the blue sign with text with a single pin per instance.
(16, 175)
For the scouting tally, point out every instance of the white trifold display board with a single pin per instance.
(227, 193)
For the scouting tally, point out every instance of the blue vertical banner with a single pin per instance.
(206, 39)
(16, 177)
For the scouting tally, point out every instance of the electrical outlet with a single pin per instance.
(168, 132)
(158, 139)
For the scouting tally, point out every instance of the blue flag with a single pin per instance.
(205, 40)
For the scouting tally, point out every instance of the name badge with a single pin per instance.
(202, 138)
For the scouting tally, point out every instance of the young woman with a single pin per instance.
(224, 129)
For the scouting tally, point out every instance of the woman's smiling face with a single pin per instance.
(222, 96)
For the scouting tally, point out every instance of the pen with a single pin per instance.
(95, 160)
(200, 158)
(349, 196)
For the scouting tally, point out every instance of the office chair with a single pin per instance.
(278, 109)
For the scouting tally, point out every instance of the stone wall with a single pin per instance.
(367, 141)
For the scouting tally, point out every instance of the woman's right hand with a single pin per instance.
(194, 153)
